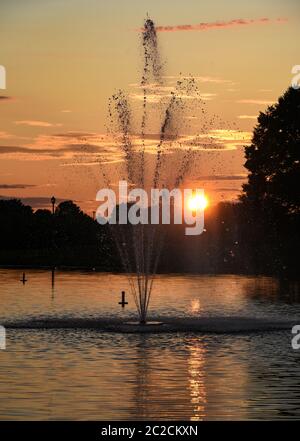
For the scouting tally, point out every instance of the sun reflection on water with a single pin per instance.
(196, 375)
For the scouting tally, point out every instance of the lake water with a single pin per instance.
(89, 374)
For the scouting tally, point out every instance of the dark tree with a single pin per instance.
(273, 158)
(68, 237)
(16, 221)
(78, 238)
(272, 197)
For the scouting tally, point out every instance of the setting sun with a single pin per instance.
(198, 202)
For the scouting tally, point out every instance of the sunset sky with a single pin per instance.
(64, 58)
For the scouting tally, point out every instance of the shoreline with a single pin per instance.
(289, 277)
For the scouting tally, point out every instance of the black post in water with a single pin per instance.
(52, 281)
(53, 277)
(123, 302)
(23, 280)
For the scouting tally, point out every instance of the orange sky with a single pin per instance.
(63, 60)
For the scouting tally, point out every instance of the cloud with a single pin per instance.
(201, 79)
(14, 186)
(5, 135)
(228, 189)
(4, 149)
(79, 146)
(154, 137)
(247, 116)
(82, 164)
(86, 147)
(222, 178)
(34, 123)
(230, 135)
(156, 92)
(54, 152)
(218, 139)
(253, 101)
(28, 150)
(78, 135)
(219, 24)
(156, 87)
(157, 98)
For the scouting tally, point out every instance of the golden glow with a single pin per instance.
(198, 202)
(99, 44)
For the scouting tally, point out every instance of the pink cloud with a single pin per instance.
(34, 123)
(254, 101)
(247, 116)
(219, 24)
(5, 135)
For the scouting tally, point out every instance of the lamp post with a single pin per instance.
(53, 200)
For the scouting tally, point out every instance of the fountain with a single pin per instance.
(140, 245)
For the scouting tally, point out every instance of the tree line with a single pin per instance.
(258, 234)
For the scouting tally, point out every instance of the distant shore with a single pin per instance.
(97, 269)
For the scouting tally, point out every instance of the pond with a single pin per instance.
(93, 375)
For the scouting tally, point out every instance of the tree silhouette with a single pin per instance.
(69, 237)
(259, 234)
(271, 196)
(16, 222)
(273, 158)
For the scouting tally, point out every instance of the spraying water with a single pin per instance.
(140, 245)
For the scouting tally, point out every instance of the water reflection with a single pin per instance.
(169, 382)
(266, 289)
(52, 283)
(196, 378)
(97, 295)
(195, 306)
(158, 389)
(89, 375)
(86, 374)
(143, 385)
